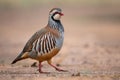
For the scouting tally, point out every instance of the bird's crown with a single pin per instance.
(55, 10)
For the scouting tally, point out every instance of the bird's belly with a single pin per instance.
(47, 56)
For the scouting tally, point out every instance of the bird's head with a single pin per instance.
(56, 13)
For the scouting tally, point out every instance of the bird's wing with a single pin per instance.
(42, 41)
(29, 44)
(46, 42)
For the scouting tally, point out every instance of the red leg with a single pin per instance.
(58, 69)
(40, 71)
(40, 66)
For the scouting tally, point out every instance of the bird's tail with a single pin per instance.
(20, 57)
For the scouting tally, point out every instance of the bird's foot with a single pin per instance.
(58, 69)
(61, 70)
(40, 71)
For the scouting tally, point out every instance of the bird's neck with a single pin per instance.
(55, 24)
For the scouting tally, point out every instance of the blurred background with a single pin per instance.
(92, 31)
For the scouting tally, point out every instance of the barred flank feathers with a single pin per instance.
(44, 44)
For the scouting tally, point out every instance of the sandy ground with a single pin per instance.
(91, 49)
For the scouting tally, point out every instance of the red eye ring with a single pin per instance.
(61, 14)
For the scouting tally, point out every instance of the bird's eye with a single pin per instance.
(56, 13)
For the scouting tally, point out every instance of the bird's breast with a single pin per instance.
(59, 40)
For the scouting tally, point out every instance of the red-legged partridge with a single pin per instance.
(45, 43)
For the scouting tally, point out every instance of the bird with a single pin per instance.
(46, 42)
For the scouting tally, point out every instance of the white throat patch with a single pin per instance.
(57, 16)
